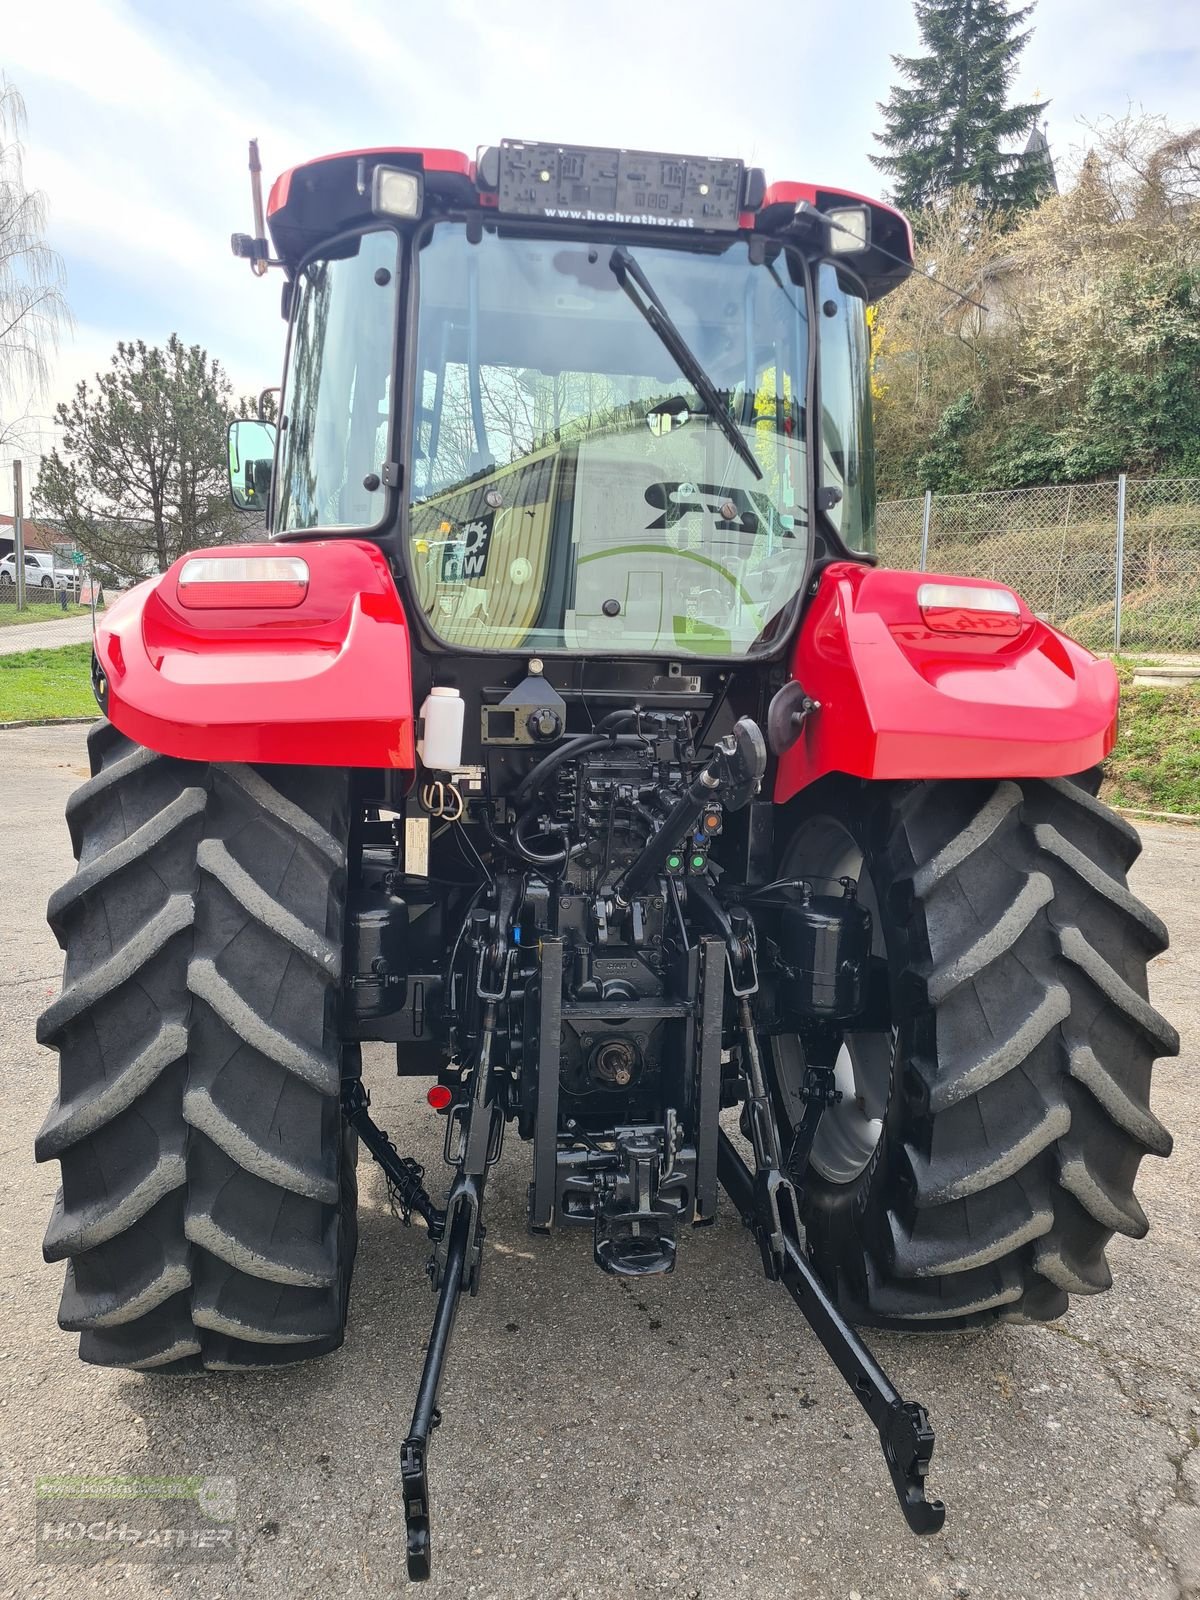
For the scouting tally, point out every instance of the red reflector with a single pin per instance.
(212, 596)
(209, 583)
(961, 619)
(439, 1097)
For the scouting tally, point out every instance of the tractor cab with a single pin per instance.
(588, 400)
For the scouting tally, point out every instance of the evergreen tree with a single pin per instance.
(141, 473)
(946, 128)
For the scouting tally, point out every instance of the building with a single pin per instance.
(38, 536)
(1037, 154)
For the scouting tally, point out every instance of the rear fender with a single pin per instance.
(900, 701)
(327, 682)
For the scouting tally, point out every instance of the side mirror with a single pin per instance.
(251, 458)
(667, 415)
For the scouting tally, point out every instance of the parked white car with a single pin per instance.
(40, 572)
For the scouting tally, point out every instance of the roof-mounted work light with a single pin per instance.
(396, 192)
(849, 230)
(842, 230)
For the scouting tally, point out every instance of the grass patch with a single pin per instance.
(37, 684)
(1156, 762)
(11, 617)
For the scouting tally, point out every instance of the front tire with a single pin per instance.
(1015, 1111)
(207, 1208)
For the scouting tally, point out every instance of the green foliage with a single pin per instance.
(141, 476)
(946, 127)
(943, 468)
(1026, 454)
(1086, 361)
(1156, 762)
(42, 685)
(10, 617)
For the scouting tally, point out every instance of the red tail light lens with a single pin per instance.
(969, 608)
(210, 583)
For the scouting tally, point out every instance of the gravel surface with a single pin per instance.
(687, 1438)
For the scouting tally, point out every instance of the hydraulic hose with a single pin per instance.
(616, 719)
(520, 851)
(559, 859)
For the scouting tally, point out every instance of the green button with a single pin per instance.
(697, 863)
(674, 863)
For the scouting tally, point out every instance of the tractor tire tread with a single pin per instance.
(207, 1208)
(1032, 1046)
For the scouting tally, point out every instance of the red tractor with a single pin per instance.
(564, 734)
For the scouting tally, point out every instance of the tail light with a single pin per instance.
(969, 608)
(209, 583)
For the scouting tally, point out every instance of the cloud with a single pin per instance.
(1095, 58)
(141, 151)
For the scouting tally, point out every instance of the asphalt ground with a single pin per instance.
(685, 1438)
(48, 635)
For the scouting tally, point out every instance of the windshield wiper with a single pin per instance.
(628, 274)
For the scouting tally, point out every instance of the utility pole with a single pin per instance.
(18, 537)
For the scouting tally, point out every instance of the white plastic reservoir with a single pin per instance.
(440, 746)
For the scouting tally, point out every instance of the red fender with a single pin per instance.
(900, 701)
(324, 683)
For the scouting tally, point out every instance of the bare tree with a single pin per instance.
(33, 309)
(1087, 361)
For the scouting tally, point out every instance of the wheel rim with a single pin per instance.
(849, 1132)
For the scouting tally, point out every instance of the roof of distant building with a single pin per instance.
(38, 535)
(1037, 148)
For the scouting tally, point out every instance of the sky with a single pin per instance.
(139, 112)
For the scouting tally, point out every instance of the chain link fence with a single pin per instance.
(37, 594)
(1115, 565)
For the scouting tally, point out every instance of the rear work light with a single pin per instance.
(395, 193)
(967, 608)
(210, 583)
(849, 230)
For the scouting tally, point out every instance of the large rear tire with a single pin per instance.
(982, 1169)
(207, 1209)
